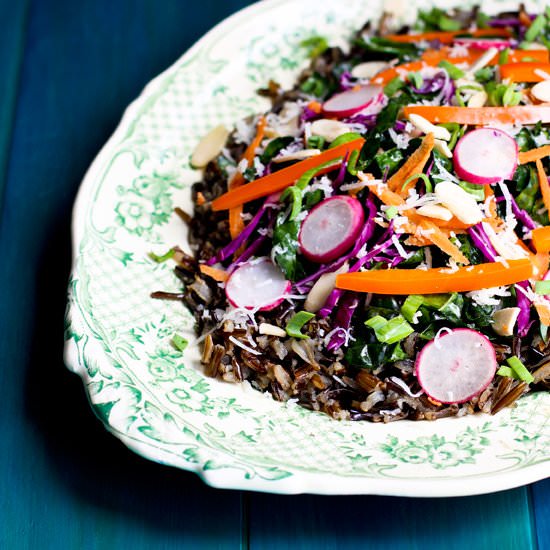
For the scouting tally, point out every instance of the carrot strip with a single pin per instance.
(285, 177)
(524, 71)
(436, 280)
(528, 114)
(446, 37)
(543, 184)
(389, 74)
(534, 154)
(540, 237)
(414, 165)
(200, 199)
(236, 223)
(216, 274)
(540, 264)
(429, 230)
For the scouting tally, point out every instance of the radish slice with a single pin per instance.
(484, 44)
(457, 366)
(352, 101)
(258, 284)
(485, 156)
(331, 228)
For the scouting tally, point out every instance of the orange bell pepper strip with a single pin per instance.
(475, 116)
(524, 71)
(236, 223)
(437, 280)
(534, 154)
(446, 37)
(277, 181)
(540, 237)
(217, 274)
(434, 234)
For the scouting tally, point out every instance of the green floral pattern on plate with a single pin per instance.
(119, 340)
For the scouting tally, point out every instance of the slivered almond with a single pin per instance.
(271, 330)
(298, 155)
(368, 69)
(478, 99)
(321, 289)
(427, 127)
(505, 320)
(459, 202)
(209, 147)
(435, 211)
(328, 129)
(443, 148)
(541, 91)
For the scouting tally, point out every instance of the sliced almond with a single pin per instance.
(541, 91)
(209, 146)
(543, 310)
(427, 127)
(459, 202)
(481, 62)
(443, 148)
(329, 129)
(368, 69)
(505, 243)
(271, 330)
(435, 211)
(478, 99)
(504, 320)
(321, 289)
(298, 155)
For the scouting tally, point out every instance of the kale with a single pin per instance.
(273, 147)
(285, 246)
(386, 48)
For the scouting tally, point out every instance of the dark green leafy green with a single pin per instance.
(273, 148)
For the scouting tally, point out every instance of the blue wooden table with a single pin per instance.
(68, 70)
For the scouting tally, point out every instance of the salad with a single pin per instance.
(375, 246)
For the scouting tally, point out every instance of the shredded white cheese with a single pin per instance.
(489, 296)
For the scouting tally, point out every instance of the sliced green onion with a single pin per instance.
(315, 142)
(179, 342)
(315, 45)
(511, 98)
(306, 177)
(344, 138)
(352, 162)
(542, 287)
(519, 368)
(536, 28)
(503, 56)
(454, 72)
(411, 305)
(295, 195)
(416, 79)
(398, 354)
(477, 191)
(393, 86)
(390, 332)
(296, 322)
(506, 371)
(423, 177)
(391, 212)
(163, 258)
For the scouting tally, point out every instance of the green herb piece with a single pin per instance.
(391, 212)
(503, 56)
(315, 45)
(164, 257)
(393, 86)
(389, 160)
(315, 85)
(398, 353)
(389, 332)
(454, 72)
(285, 247)
(296, 322)
(312, 198)
(537, 26)
(423, 177)
(179, 342)
(315, 142)
(484, 75)
(542, 287)
(477, 191)
(411, 306)
(273, 147)
(519, 368)
(345, 138)
(416, 79)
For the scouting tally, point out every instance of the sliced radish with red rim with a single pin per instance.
(457, 366)
(258, 284)
(484, 44)
(352, 101)
(485, 156)
(330, 229)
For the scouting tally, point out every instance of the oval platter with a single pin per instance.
(158, 401)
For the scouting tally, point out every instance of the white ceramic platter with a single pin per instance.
(118, 339)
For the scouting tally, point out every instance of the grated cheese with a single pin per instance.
(489, 296)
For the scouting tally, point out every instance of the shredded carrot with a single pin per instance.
(543, 310)
(433, 233)
(277, 181)
(200, 199)
(543, 184)
(385, 76)
(524, 71)
(540, 238)
(216, 274)
(446, 37)
(534, 154)
(436, 280)
(236, 223)
(414, 165)
(315, 106)
(528, 114)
